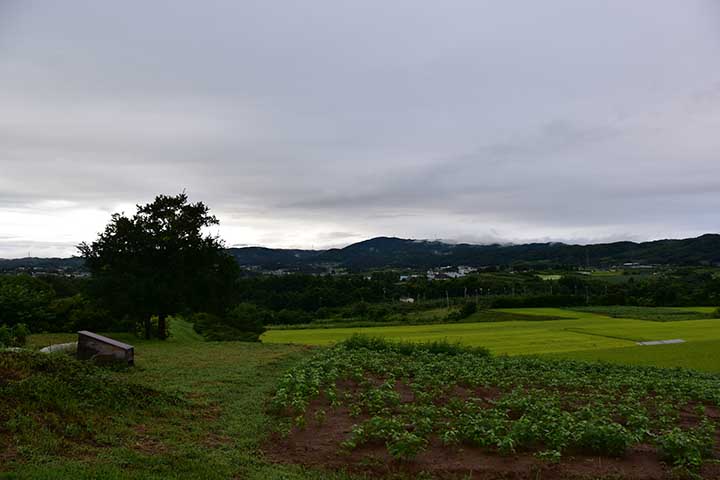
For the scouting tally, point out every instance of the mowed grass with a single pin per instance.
(577, 332)
(511, 338)
(698, 355)
(215, 433)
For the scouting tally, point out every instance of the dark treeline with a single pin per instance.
(297, 298)
(52, 304)
(61, 304)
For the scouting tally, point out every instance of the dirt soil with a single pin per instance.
(318, 446)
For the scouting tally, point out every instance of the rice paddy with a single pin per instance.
(578, 334)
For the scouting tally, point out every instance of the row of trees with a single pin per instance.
(295, 294)
(51, 304)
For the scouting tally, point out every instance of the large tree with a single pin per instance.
(161, 262)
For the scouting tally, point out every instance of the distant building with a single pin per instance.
(407, 300)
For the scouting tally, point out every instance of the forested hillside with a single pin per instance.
(396, 252)
(382, 252)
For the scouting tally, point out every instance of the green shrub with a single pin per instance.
(244, 322)
(467, 309)
(20, 333)
(202, 321)
(378, 344)
(25, 299)
(15, 336)
(226, 333)
(80, 313)
(5, 336)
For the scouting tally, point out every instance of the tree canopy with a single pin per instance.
(160, 262)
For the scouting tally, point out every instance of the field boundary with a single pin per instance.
(615, 337)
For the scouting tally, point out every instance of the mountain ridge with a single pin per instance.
(395, 252)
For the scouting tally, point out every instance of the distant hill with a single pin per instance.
(272, 258)
(71, 264)
(397, 252)
(382, 252)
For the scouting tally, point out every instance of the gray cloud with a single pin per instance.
(322, 123)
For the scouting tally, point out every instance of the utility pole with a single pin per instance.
(447, 299)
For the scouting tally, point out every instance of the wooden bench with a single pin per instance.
(92, 346)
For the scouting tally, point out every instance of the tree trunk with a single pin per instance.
(148, 327)
(162, 326)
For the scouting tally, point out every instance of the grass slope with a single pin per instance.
(213, 433)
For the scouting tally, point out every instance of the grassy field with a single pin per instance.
(501, 338)
(699, 355)
(655, 314)
(214, 433)
(578, 335)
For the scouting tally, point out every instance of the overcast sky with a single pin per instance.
(324, 122)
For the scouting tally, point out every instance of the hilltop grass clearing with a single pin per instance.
(572, 333)
(189, 409)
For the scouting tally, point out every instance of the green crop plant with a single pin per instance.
(404, 397)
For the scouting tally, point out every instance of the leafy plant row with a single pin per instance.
(549, 408)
